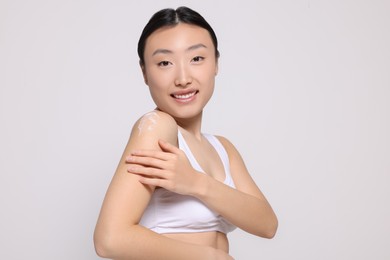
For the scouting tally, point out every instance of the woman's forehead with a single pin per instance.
(178, 36)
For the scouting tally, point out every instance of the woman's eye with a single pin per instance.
(198, 59)
(163, 63)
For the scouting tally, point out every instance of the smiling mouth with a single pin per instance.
(184, 96)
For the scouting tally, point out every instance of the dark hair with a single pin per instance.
(172, 17)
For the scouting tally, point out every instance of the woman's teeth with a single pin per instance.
(185, 96)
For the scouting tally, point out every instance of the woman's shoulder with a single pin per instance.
(157, 125)
(155, 119)
(229, 147)
(224, 141)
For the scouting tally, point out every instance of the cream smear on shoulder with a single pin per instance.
(148, 122)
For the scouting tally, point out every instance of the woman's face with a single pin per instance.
(180, 68)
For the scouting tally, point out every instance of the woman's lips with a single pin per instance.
(185, 97)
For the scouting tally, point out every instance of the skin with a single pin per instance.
(180, 69)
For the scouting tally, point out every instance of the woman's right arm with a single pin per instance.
(118, 234)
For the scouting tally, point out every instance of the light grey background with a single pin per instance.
(303, 92)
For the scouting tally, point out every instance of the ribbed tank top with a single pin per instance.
(169, 212)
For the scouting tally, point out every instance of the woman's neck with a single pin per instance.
(191, 125)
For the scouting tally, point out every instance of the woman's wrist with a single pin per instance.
(199, 187)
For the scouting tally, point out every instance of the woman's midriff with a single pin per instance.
(214, 239)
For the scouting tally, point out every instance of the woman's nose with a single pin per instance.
(183, 76)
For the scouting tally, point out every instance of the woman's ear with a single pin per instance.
(143, 72)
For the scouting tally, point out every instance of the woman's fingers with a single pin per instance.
(156, 154)
(167, 147)
(150, 176)
(151, 181)
(149, 172)
(154, 158)
(159, 168)
(145, 161)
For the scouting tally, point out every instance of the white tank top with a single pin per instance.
(169, 212)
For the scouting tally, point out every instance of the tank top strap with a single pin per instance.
(184, 147)
(218, 146)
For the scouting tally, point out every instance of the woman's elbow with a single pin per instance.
(270, 232)
(104, 244)
(101, 250)
(268, 229)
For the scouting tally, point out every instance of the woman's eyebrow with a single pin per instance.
(162, 51)
(196, 46)
(191, 48)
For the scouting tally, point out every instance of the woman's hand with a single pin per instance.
(169, 168)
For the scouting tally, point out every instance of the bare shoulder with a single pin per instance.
(152, 126)
(229, 147)
(154, 119)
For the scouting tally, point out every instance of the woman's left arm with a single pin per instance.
(246, 206)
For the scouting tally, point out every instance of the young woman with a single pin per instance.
(177, 192)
